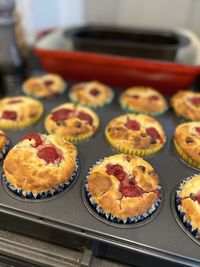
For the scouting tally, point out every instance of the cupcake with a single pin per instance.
(72, 121)
(44, 85)
(139, 135)
(92, 94)
(40, 166)
(143, 100)
(187, 142)
(188, 204)
(187, 105)
(4, 144)
(123, 188)
(19, 112)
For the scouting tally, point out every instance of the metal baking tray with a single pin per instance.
(159, 236)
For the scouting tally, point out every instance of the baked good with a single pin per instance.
(93, 94)
(40, 165)
(187, 142)
(187, 105)
(44, 85)
(124, 188)
(135, 134)
(4, 144)
(72, 121)
(188, 203)
(19, 112)
(145, 100)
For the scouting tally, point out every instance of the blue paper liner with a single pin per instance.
(49, 193)
(195, 231)
(115, 219)
(106, 102)
(153, 114)
(5, 149)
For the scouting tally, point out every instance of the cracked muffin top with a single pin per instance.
(124, 186)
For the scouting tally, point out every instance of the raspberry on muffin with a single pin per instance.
(145, 100)
(123, 187)
(93, 94)
(135, 134)
(72, 121)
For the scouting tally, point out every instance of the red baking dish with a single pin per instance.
(118, 71)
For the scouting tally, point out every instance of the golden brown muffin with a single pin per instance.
(93, 94)
(188, 199)
(125, 187)
(19, 112)
(4, 144)
(187, 104)
(145, 100)
(72, 121)
(40, 163)
(135, 134)
(187, 142)
(44, 85)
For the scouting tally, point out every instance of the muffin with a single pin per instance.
(187, 142)
(145, 100)
(44, 85)
(4, 144)
(139, 135)
(19, 112)
(123, 188)
(72, 121)
(188, 203)
(187, 105)
(40, 165)
(93, 94)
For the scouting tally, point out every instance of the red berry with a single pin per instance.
(116, 170)
(49, 154)
(154, 97)
(35, 137)
(61, 114)
(131, 191)
(198, 196)
(195, 101)
(151, 131)
(197, 129)
(14, 101)
(9, 115)
(132, 125)
(94, 92)
(85, 117)
(48, 83)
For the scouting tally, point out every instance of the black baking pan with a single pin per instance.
(142, 43)
(158, 239)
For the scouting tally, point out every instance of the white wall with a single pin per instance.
(41, 14)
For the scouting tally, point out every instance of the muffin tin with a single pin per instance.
(157, 236)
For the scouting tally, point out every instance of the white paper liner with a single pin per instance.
(115, 219)
(46, 194)
(187, 223)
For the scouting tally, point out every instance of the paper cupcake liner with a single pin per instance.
(5, 149)
(46, 194)
(185, 157)
(153, 114)
(186, 222)
(42, 97)
(13, 125)
(136, 152)
(113, 218)
(106, 102)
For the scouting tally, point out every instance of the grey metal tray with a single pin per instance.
(160, 237)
